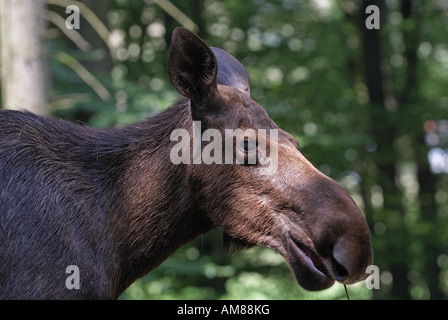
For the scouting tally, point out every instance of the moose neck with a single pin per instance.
(156, 213)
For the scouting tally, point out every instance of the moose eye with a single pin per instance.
(249, 145)
(250, 151)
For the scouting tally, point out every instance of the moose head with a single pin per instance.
(297, 211)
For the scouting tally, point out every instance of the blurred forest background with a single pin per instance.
(369, 108)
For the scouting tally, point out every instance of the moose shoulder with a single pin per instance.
(112, 203)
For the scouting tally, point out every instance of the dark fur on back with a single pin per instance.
(62, 189)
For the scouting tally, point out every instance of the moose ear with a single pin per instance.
(231, 72)
(193, 68)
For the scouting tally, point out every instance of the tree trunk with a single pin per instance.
(197, 8)
(25, 74)
(384, 132)
(427, 181)
(101, 9)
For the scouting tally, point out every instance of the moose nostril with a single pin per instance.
(340, 273)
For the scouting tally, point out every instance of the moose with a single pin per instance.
(113, 204)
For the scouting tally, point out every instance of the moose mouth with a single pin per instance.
(307, 266)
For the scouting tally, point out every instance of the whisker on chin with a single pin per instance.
(346, 292)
